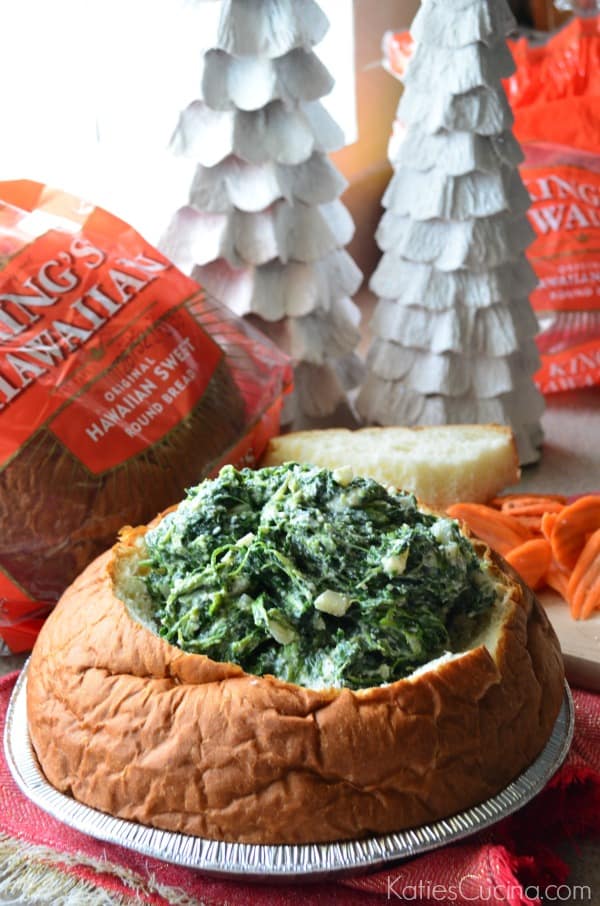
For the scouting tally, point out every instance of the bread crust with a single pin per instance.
(130, 725)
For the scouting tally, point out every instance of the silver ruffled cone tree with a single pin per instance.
(453, 330)
(264, 229)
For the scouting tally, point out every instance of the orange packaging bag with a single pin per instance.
(121, 384)
(555, 96)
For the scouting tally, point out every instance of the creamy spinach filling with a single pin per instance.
(317, 577)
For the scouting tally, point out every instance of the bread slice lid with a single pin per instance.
(440, 464)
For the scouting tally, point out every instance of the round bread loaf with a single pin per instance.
(131, 725)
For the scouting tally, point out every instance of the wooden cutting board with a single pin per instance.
(579, 640)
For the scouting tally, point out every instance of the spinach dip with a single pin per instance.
(315, 576)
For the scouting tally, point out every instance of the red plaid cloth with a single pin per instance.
(506, 864)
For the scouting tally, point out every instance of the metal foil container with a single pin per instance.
(259, 862)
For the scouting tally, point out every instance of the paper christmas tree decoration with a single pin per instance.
(453, 330)
(264, 229)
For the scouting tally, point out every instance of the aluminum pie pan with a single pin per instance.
(258, 862)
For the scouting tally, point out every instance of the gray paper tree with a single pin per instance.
(264, 230)
(453, 330)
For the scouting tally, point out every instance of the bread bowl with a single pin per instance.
(130, 724)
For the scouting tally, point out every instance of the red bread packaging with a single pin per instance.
(121, 384)
(555, 97)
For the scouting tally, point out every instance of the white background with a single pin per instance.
(91, 93)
